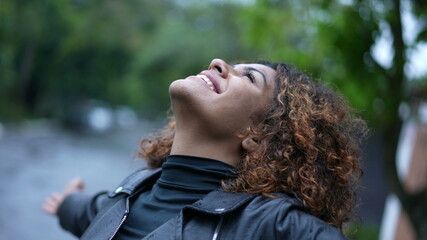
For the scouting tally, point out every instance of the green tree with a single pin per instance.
(55, 54)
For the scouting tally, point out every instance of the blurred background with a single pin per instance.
(82, 81)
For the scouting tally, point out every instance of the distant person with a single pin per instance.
(253, 151)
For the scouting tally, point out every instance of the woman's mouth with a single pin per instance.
(208, 82)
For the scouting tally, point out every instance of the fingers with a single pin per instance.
(52, 203)
(74, 185)
(78, 183)
(49, 207)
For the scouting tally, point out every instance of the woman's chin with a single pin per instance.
(185, 89)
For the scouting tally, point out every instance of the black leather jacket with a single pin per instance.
(219, 215)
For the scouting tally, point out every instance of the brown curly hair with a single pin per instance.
(308, 142)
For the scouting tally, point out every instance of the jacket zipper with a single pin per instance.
(123, 219)
(118, 227)
(218, 227)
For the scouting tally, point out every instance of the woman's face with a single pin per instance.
(224, 99)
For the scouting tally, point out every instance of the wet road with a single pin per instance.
(38, 159)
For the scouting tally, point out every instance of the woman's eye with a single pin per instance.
(250, 76)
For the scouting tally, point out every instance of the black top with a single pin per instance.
(183, 181)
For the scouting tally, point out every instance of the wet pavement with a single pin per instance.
(39, 158)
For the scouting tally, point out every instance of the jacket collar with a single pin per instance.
(135, 181)
(221, 202)
(216, 202)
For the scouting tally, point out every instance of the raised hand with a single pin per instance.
(52, 203)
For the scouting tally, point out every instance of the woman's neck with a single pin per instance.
(225, 150)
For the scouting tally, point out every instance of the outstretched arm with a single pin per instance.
(51, 204)
(74, 209)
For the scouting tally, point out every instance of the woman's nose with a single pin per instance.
(220, 66)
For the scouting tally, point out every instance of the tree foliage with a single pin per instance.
(332, 40)
(56, 54)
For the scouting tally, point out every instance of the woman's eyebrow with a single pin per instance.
(256, 70)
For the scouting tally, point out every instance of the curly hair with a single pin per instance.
(308, 142)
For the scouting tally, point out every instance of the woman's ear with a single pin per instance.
(248, 144)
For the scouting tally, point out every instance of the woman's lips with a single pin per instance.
(213, 79)
(208, 82)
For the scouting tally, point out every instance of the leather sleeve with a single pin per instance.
(297, 224)
(78, 210)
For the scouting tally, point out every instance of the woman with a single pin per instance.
(255, 151)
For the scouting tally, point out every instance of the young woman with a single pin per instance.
(254, 151)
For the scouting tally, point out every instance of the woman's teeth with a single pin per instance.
(208, 81)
